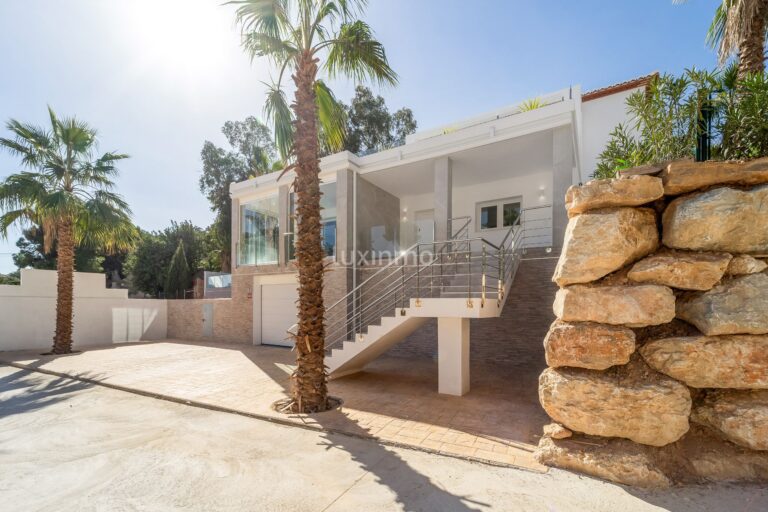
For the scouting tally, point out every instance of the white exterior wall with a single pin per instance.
(101, 315)
(535, 189)
(599, 117)
(409, 205)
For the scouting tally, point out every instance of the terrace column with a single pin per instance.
(443, 198)
(562, 178)
(284, 220)
(453, 356)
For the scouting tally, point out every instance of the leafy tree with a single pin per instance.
(148, 265)
(14, 278)
(370, 126)
(69, 192)
(178, 278)
(251, 153)
(403, 124)
(303, 38)
(32, 254)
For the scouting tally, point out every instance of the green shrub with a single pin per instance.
(665, 118)
(743, 122)
(178, 274)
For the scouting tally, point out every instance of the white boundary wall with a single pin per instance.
(102, 316)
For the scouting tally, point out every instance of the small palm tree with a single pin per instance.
(69, 193)
(741, 26)
(304, 37)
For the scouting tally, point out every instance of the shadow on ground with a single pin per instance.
(39, 392)
(411, 489)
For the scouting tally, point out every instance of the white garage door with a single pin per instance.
(278, 313)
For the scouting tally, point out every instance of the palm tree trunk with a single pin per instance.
(309, 390)
(65, 267)
(752, 44)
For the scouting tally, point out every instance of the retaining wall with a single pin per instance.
(658, 359)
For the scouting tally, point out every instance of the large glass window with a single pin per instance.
(259, 231)
(327, 220)
(501, 213)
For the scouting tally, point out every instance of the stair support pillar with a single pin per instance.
(453, 356)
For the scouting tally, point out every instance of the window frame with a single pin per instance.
(290, 238)
(499, 204)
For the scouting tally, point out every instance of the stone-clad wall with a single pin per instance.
(232, 317)
(658, 359)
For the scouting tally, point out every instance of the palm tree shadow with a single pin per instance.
(412, 490)
(31, 392)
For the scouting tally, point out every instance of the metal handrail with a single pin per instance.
(388, 296)
(394, 285)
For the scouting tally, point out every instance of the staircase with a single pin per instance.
(462, 277)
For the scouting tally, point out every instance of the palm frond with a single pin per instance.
(716, 31)
(332, 116)
(23, 190)
(30, 142)
(104, 225)
(277, 110)
(258, 44)
(269, 17)
(21, 216)
(357, 54)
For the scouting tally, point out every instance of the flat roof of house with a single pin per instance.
(641, 81)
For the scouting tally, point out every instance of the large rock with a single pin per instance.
(722, 219)
(616, 460)
(588, 345)
(736, 361)
(686, 176)
(698, 457)
(622, 235)
(633, 306)
(745, 264)
(684, 270)
(737, 306)
(739, 416)
(701, 455)
(630, 191)
(630, 401)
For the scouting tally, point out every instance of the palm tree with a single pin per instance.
(296, 36)
(69, 193)
(741, 26)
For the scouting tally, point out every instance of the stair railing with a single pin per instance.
(388, 292)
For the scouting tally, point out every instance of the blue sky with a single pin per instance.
(158, 77)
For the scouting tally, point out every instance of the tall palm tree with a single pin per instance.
(741, 26)
(69, 192)
(305, 37)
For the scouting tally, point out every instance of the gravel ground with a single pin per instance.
(66, 445)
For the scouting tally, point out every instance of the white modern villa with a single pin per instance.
(435, 239)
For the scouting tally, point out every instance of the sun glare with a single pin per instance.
(181, 39)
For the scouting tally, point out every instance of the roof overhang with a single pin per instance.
(559, 109)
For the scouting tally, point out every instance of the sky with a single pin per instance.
(157, 78)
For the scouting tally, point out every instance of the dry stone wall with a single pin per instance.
(658, 359)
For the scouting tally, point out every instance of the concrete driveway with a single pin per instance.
(69, 445)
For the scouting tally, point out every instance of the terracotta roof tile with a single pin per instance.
(620, 87)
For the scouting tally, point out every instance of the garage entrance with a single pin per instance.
(278, 313)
